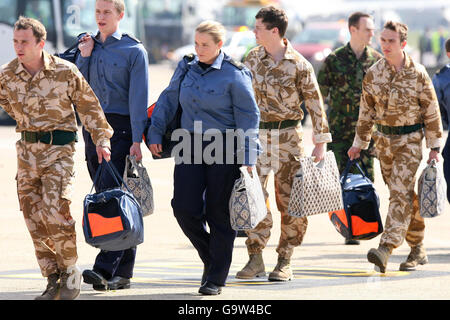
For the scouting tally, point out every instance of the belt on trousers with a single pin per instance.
(400, 130)
(279, 124)
(56, 137)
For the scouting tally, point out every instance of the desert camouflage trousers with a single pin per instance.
(282, 150)
(400, 157)
(44, 181)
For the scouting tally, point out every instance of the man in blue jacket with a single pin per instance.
(441, 82)
(116, 66)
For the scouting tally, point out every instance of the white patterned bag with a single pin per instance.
(432, 191)
(136, 177)
(247, 204)
(316, 188)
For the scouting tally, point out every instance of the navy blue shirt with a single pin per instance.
(441, 83)
(220, 97)
(117, 71)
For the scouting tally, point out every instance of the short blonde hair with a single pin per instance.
(118, 4)
(215, 29)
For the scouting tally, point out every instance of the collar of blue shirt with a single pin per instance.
(217, 64)
(117, 35)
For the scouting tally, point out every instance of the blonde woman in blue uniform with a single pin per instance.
(215, 93)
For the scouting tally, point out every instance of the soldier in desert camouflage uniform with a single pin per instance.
(282, 79)
(340, 78)
(37, 90)
(399, 98)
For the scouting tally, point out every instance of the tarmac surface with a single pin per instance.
(168, 267)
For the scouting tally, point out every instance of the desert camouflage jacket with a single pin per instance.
(44, 102)
(281, 87)
(401, 98)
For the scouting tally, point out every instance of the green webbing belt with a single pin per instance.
(56, 137)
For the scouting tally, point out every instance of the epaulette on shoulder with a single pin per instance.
(132, 37)
(237, 64)
(443, 69)
(189, 57)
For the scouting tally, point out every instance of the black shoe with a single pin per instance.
(210, 289)
(98, 282)
(352, 242)
(118, 282)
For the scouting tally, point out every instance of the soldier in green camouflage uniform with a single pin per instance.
(340, 80)
(38, 90)
(398, 97)
(282, 80)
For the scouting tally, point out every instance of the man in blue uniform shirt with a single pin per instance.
(116, 67)
(441, 82)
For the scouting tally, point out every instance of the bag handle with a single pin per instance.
(432, 164)
(112, 171)
(136, 164)
(246, 174)
(350, 164)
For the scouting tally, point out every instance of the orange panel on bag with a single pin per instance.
(101, 226)
(341, 215)
(360, 227)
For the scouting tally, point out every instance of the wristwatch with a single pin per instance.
(437, 149)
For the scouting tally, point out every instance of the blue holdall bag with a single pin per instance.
(112, 219)
(360, 219)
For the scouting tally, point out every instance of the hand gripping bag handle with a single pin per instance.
(131, 160)
(350, 164)
(246, 174)
(113, 171)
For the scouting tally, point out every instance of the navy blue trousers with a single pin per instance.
(446, 156)
(201, 196)
(112, 263)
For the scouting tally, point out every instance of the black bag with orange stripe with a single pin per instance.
(360, 219)
(112, 218)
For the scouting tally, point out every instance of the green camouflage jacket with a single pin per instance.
(340, 78)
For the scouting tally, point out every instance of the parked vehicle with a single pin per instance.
(318, 39)
(170, 24)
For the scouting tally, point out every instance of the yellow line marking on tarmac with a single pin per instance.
(196, 282)
(316, 273)
(348, 272)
